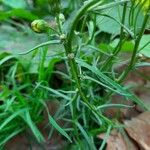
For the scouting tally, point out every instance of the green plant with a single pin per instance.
(90, 83)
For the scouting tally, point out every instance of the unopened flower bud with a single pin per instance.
(62, 17)
(62, 37)
(39, 26)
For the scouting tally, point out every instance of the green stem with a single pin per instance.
(75, 119)
(137, 43)
(118, 47)
(133, 58)
(59, 24)
(93, 32)
(51, 28)
(83, 24)
(76, 20)
(71, 60)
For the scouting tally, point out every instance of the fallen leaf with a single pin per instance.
(116, 141)
(139, 129)
(144, 94)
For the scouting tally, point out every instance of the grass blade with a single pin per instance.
(56, 92)
(54, 123)
(10, 136)
(58, 128)
(14, 115)
(87, 137)
(6, 59)
(105, 138)
(27, 118)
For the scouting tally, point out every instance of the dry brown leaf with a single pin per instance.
(121, 113)
(117, 142)
(144, 94)
(139, 130)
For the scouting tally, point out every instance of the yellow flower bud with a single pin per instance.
(39, 26)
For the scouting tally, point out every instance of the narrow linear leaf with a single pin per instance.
(105, 138)
(86, 136)
(10, 136)
(104, 78)
(139, 102)
(104, 85)
(114, 105)
(54, 123)
(41, 45)
(27, 118)
(113, 84)
(14, 115)
(142, 64)
(56, 92)
(6, 59)
(58, 128)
